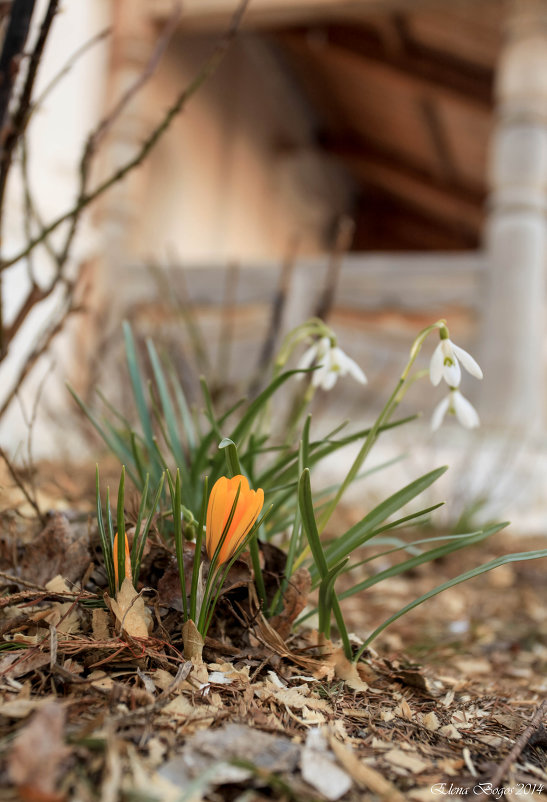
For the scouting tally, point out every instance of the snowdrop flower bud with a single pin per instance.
(332, 362)
(445, 363)
(457, 405)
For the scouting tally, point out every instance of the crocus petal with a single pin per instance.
(470, 364)
(221, 501)
(439, 412)
(249, 509)
(465, 411)
(127, 559)
(436, 365)
(216, 514)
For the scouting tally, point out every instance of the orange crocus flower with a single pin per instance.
(127, 559)
(221, 500)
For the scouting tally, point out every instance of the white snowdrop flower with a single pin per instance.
(457, 405)
(445, 364)
(332, 362)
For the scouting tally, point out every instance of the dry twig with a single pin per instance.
(520, 744)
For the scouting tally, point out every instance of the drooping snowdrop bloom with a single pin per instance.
(457, 405)
(445, 364)
(332, 362)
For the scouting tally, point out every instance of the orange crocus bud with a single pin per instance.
(221, 500)
(127, 559)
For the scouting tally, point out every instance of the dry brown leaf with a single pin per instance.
(193, 641)
(183, 706)
(416, 679)
(405, 760)
(403, 710)
(19, 663)
(169, 592)
(162, 679)
(473, 665)
(38, 752)
(365, 775)
(61, 547)
(347, 671)
(450, 731)
(63, 616)
(20, 708)
(294, 600)
(298, 699)
(430, 721)
(319, 769)
(130, 611)
(100, 624)
(200, 755)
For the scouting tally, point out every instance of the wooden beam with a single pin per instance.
(426, 69)
(214, 15)
(397, 178)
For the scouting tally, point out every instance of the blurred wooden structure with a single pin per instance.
(422, 119)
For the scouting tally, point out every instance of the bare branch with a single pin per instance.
(14, 473)
(14, 42)
(208, 69)
(70, 63)
(43, 344)
(106, 124)
(19, 119)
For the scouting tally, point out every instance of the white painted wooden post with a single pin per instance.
(516, 236)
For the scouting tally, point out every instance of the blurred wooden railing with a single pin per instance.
(227, 322)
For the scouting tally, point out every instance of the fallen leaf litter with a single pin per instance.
(84, 706)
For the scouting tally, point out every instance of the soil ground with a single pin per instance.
(449, 702)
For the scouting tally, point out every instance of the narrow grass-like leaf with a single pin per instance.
(426, 556)
(140, 514)
(137, 384)
(201, 463)
(310, 526)
(185, 416)
(326, 591)
(295, 539)
(471, 574)
(232, 458)
(364, 529)
(247, 541)
(209, 407)
(146, 529)
(137, 459)
(411, 547)
(120, 521)
(243, 427)
(395, 525)
(116, 412)
(106, 543)
(109, 521)
(111, 438)
(308, 519)
(285, 468)
(179, 545)
(213, 567)
(455, 544)
(173, 439)
(197, 552)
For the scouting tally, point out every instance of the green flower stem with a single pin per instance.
(257, 570)
(197, 553)
(382, 418)
(179, 544)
